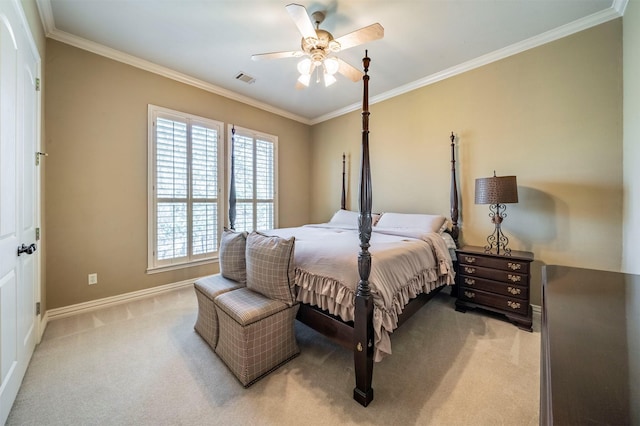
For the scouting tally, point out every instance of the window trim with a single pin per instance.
(154, 111)
(256, 135)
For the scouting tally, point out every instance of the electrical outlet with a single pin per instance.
(93, 279)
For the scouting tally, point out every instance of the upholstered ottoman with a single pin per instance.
(233, 275)
(207, 289)
(256, 333)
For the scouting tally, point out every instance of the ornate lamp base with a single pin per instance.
(497, 241)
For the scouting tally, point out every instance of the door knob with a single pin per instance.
(26, 249)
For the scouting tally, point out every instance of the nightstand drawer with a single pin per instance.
(510, 290)
(494, 274)
(495, 282)
(508, 304)
(504, 263)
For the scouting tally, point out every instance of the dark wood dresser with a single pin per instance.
(590, 356)
(495, 282)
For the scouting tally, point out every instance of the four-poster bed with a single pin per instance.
(352, 323)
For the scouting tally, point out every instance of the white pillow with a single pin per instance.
(427, 222)
(345, 217)
(350, 218)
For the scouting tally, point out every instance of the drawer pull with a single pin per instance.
(470, 259)
(514, 266)
(469, 270)
(514, 278)
(469, 281)
(513, 305)
(470, 294)
(513, 290)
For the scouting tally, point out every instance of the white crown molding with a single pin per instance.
(46, 15)
(616, 11)
(119, 56)
(620, 6)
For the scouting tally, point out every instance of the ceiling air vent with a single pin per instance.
(246, 78)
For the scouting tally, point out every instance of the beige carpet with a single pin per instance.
(141, 363)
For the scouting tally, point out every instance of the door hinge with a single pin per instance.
(37, 308)
(38, 155)
(37, 234)
(37, 84)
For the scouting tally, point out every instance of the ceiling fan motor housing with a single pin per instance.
(320, 46)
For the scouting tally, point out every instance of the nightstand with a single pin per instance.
(495, 283)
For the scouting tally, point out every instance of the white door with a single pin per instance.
(19, 213)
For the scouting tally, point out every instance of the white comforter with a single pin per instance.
(404, 264)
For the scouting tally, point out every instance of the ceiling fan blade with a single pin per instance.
(363, 35)
(277, 55)
(301, 18)
(348, 71)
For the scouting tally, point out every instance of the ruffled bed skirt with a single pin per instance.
(332, 296)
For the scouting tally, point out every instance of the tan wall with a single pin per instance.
(538, 115)
(631, 41)
(96, 175)
(631, 230)
(550, 115)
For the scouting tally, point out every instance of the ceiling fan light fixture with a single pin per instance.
(304, 79)
(304, 66)
(317, 44)
(328, 79)
(331, 66)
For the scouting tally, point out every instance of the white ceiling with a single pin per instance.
(208, 42)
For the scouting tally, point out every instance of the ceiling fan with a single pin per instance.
(319, 46)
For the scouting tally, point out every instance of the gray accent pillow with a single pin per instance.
(232, 255)
(270, 266)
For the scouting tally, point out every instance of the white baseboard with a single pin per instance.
(44, 320)
(66, 311)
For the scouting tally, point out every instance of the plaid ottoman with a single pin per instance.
(207, 289)
(256, 334)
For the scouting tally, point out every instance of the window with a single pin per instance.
(255, 180)
(185, 212)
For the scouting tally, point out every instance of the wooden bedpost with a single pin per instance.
(363, 321)
(454, 192)
(343, 200)
(232, 184)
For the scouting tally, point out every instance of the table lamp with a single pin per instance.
(497, 191)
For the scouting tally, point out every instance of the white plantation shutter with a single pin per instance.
(184, 221)
(265, 182)
(255, 179)
(204, 178)
(243, 157)
(171, 189)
